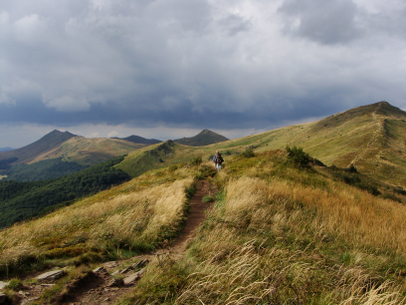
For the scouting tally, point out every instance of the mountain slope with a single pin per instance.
(58, 154)
(89, 151)
(30, 152)
(371, 137)
(205, 137)
(276, 234)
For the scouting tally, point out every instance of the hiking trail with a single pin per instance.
(101, 287)
(380, 128)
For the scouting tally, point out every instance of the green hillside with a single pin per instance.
(42, 170)
(369, 137)
(59, 154)
(89, 151)
(23, 200)
(372, 138)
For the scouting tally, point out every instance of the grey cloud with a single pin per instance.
(390, 21)
(327, 22)
(193, 63)
(235, 24)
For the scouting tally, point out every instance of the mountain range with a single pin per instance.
(368, 137)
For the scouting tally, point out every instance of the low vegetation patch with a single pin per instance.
(207, 199)
(248, 153)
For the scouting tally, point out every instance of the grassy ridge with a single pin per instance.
(87, 151)
(280, 235)
(27, 153)
(162, 155)
(372, 138)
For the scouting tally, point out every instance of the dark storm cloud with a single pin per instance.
(244, 64)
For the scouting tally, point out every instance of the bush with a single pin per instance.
(196, 161)
(352, 169)
(298, 157)
(248, 153)
(15, 285)
(391, 197)
(400, 190)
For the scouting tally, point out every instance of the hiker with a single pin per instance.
(218, 160)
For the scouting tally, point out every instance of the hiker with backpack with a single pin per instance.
(218, 160)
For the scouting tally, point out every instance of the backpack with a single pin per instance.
(219, 159)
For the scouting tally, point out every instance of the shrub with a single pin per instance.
(248, 153)
(173, 168)
(400, 190)
(391, 197)
(298, 157)
(196, 161)
(15, 284)
(352, 169)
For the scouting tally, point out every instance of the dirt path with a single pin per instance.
(99, 288)
(196, 216)
(375, 135)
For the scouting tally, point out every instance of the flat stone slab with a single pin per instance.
(3, 298)
(133, 277)
(100, 270)
(111, 264)
(3, 285)
(140, 263)
(51, 275)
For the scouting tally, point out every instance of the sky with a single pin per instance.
(167, 69)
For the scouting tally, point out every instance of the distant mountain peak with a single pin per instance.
(205, 137)
(56, 131)
(380, 108)
(139, 140)
(31, 151)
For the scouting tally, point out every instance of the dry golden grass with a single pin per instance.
(275, 267)
(271, 276)
(100, 222)
(352, 214)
